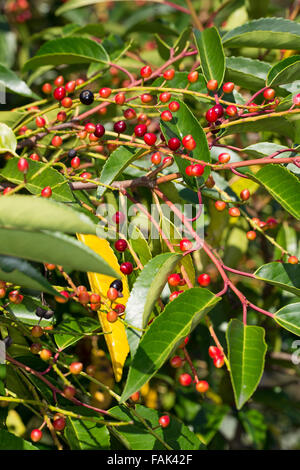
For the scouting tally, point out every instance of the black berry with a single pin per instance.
(86, 97)
(72, 153)
(117, 284)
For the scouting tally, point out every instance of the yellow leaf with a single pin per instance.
(116, 338)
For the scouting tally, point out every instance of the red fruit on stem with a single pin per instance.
(59, 93)
(59, 424)
(293, 260)
(185, 380)
(46, 192)
(164, 421)
(140, 130)
(56, 141)
(245, 194)
(112, 294)
(135, 396)
(174, 143)
(120, 99)
(193, 76)
(211, 115)
(75, 368)
(269, 94)
(70, 86)
(95, 298)
(212, 85)
(174, 106)
(220, 205)
(228, 87)
(23, 165)
(45, 354)
(251, 235)
(146, 71)
(59, 81)
(214, 351)
(156, 158)
(121, 245)
(197, 169)
(174, 279)
(150, 138)
(40, 121)
(69, 392)
(165, 97)
(219, 110)
(105, 92)
(112, 316)
(176, 362)
(218, 362)
(202, 386)
(126, 268)
(166, 116)
(185, 244)
(37, 331)
(189, 142)
(36, 435)
(47, 88)
(169, 74)
(67, 102)
(231, 110)
(224, 157)
(118, 217)
(234, 212)
(75, 163)
(204, 280)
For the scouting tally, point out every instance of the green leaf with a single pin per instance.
(285, 71)
(182, 124)
(152, 27)
(264, 149)
(94, 29)
(14, 84)
(254, 424)
(164, 335)
(37, 178)
(45, 214)
(283, 275)
(140, 245)
(11, 118)
(266, 33)
(287, 238)
(52, 247)
(247, 73)
(209, 420)
(136, 437)
(282, 185)
(72, 4)
(288, 318)
(275, 124)
(211, 53)
(114, 166)
(182, 40)
(25, 311)
(84, 434)
(180, 81)
(9, 441)
(22, 273)
(246, 354)
(145, 292)
(74, 50)
(8, 141)
(70, 328)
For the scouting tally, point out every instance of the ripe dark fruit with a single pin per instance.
(202, 386)
(117, 284)
(121, 245)
(185, 380)
(126, 268)
(99, 130)
(185, 244)
(59, 93)
(76, 367)
(86, 97)
(120, 127)
(164, 421)
(218, 109)
(37, 331)
(204, 280)
(150, 138)
(59, 424)
(212, 85)
(140, 130)
(174, 143)
(211, 115)
(72, 153)
(36, 435)
(119, 308)
(118, 217)
(112, 316)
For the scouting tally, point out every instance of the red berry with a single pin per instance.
(121, 245)
(211, 115)
(166, 116)
(37, 331)
(185, 244)
(95, 298)
(197, 170)
(36, 435)
(272, 223)
(15, 297)
(84, 298)
(253, 108)
(293, 260)
(59, 93)
(169, 74)
(146, 71)
(112, 316)
(202, 386)
(69, 392)
(174, 143)
(184, 343)
(164, 421)
(126, 268)
(99, 130)
(165, 97)
(174, 106)
(120, 127)
(135, 396)
(67, 102)
(120, 308)
(231, 110)
(76, 367)
(64, 299)
(224, 157)
(118, 217)
(296, 100)
(75, 162)
(140, 130)
(70, 86)
(219, 361)
(35, 157)
(189, 170)
(120, 99)
(213, 351)
(46, 192)
(234, 212)
(220, 205)
(150, 138)
(61, 116)
(174, 295)
(174, 279)
(146, 98)
(23, 165)
(105, 92)
(45, 354)
(251, 235)
(188, 142)
(59, 81)
(228, 87)
(129, 113)
(90, 127)
(59, 424)
(56, 141)
(269, 94)
(86, 175)
(40, 121)
(193, 76)
(219, 110)
(204, 280)
(176, 362)
(185, 380)
(47, 88)
(156, 158)
(112, 294)
(245, 194)
(212, 85)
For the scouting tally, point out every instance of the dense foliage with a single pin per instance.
(149, 224)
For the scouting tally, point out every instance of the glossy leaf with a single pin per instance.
(287, 238)
(115, 335)
(45, 214)
(9, 441)
(37, 178)
(75, 50)
(167, 331)
(282, 185)
(84, 434)
(274, 124)
(267, 33)
(212, 57)
(288, 318)
(144, 294)
(136, 437)
(283, 275)
(246, 355)
(21, 273)
(182, 124)
(71, 330)
(14, 84)
(285, 71)
(52, 247)
(115, 165)
(8, 141)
